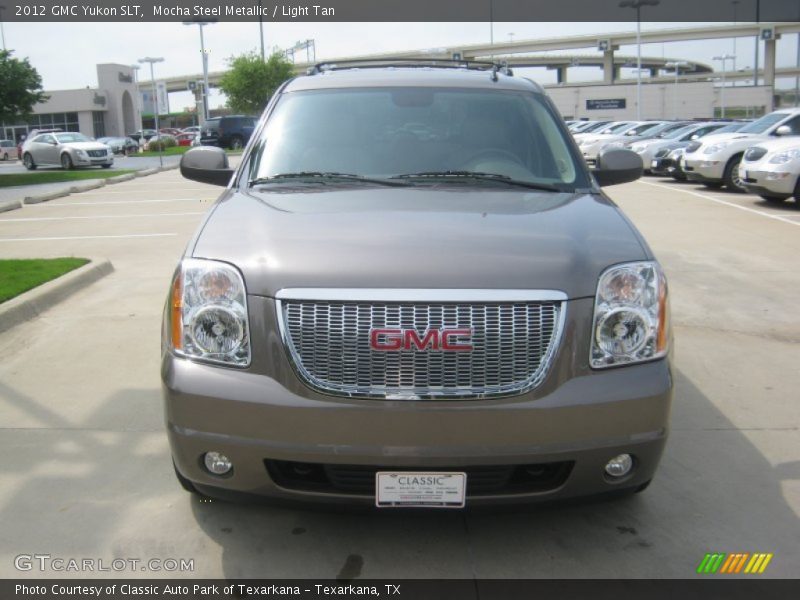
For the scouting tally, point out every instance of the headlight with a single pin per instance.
(715, 147)
(631, 315)
(639, 148)
(784, 157)
(677, 153)
(81, 153)
(207, 313)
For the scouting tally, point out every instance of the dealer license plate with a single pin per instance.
(431, 490)
(654, 164)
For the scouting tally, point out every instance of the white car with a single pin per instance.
(65, 149)
(772, 169)
(648, 148)
(714, 160)
(591, 145)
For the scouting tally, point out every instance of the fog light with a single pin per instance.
(619, 466)
(219, 464)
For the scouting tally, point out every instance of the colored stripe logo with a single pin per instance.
(734, 563)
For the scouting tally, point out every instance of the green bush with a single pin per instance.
(161, 144)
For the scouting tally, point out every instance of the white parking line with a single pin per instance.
(30, 219)
(110, 202)
(88, 237)
(130, 191)
(719, 201)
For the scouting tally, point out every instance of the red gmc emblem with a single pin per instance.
(449, 340)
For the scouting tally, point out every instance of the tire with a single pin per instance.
(797, 194)
(185, 483)
(237, 143)
(66, 162)
(27, 160)
(731, 176)
(106, 166)
(774, 199)
(5, 157)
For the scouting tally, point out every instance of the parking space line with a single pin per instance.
(30, 219)
(110, 202)
(139, 189)
(720, 201)
(88, 237)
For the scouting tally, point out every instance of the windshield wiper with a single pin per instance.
(322, 176)
(480, 176)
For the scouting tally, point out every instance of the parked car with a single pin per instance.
(120, 145)
(68, 150)
(591, 145)
(666, 154)
(8, 150)
(145, 134)
(586, 126)
(185, 139)
(192, 129)
(170, 131)
(364, 305)
(714, 160)
(228, 132)
(771, 169)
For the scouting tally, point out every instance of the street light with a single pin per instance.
(202, 24)
(2, 31)
(151, 60)
(677, 64)
(135, 69)
(724, 58)
(638, 4)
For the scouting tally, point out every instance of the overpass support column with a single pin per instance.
(561, 74)
(609, 72)
(769, 63)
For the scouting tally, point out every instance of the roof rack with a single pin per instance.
(442, 63)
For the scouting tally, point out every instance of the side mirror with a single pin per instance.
(783, 130)
(617, 166)
(694, 137)
(206, 164)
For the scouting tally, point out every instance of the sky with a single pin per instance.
(66, 54)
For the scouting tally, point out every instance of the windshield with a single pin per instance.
(380, 133)
(617, 127)
(64, 138)
(639, 129)
(730, 128)
(764, 123)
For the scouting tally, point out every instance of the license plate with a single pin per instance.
(430, 490)
(654, 164)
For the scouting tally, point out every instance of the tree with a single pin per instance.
(250, 82)
(20, 87)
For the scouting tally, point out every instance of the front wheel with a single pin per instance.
(66, 162)
(27, 160)
(237, 143)
(731, 177)
(5, 157)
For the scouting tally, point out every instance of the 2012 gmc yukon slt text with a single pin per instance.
(413, 293)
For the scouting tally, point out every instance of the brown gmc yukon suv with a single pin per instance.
(412, 292)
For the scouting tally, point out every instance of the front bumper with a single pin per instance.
(760, 181)
(576, 416)
(711, 169)
(93, 160)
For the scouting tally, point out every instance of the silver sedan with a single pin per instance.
(68, 150)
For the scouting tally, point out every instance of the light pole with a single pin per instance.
(638, 4)
(735, 21)
(202, 24)
(2, 31)
(724, 58)
(261, 28)
(151, 60)
(677, 66)
(135, 69)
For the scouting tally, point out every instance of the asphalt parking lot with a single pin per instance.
(87, 470)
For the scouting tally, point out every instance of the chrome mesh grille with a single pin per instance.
(329, 344)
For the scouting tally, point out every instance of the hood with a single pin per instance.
(418, 238)
(779, 144)
(85, 145)
(715, 138)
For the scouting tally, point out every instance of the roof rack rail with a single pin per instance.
(443, 63)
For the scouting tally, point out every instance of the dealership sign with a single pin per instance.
(606, 104)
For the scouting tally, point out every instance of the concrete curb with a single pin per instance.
(85, 186)
(45, 197)
(146, 172)
(34, 302)
(10, 205)
(169, 167)
(120, 178)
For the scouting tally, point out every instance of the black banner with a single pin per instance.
(606, 104)
(397, 10)
(744, 588)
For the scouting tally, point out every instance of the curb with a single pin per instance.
(146, 172)
(10, 205)
(45, 197)
(89, 184)
(120, 178)
(34, 302)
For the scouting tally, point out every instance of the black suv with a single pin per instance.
(227, 132)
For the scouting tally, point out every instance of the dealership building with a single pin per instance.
(110, 109)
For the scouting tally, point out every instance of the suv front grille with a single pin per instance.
(360, 479)
(329, 345)
(96, 153)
